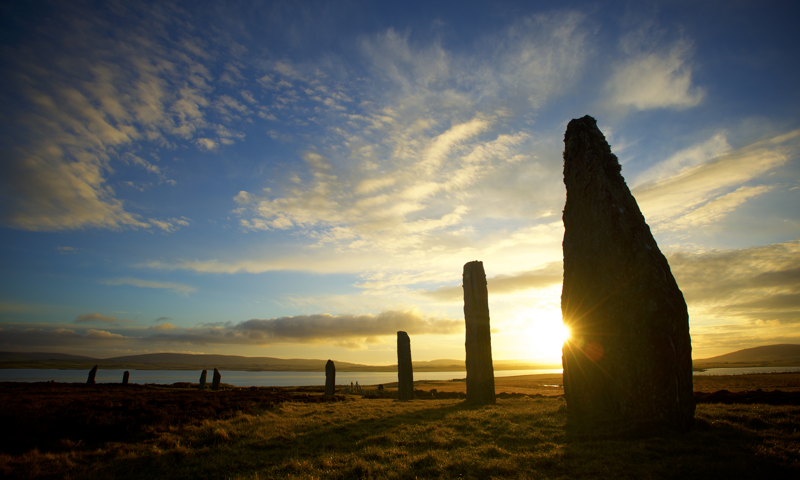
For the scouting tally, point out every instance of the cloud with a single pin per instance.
(171, 224)
(97, 318)
(651, 80)
(351, 329)
(164, 326)
(86, 104)
(175, 287)
(12, 336)
(323, 326)
(425, 113)
(706, 193)
(313, 328)
(505, 284)
(163, 319)
(687, 158)
(757, 284)
(66, 250)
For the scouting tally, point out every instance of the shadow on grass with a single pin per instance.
(518, 439)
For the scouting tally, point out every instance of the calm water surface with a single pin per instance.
(288, 379)
(234, 377)
(743, 370)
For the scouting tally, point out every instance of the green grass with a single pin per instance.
(517, 438)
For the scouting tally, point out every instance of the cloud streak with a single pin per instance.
(349, 330)
(178, 288)
(706, 193)
(504, 284)
(758, 284)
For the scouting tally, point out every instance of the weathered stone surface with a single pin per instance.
(92, 374)
(203, 377)
(480, 371)
(405, 373)
(215, 381)
(629, 358)
(125, 377)
(330, 378)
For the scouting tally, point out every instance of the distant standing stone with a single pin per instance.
(92, 374)
(629, 359)
(405, 373)
(480, 371)
(216, 380)
(203, 377)
(330, 378)
(125, 377)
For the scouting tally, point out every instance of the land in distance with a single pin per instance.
(182, 361)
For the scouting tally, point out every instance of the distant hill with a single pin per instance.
(185, 361)
(38, 356)
(782, 353)
(202, 359)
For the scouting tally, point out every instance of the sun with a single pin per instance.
(543, 333)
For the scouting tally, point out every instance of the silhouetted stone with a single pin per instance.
(125, 377)
(215, 381)
(330, 378)
(480, 371)
(405, 373)
(203, 377)
(92, 374)
(629, 358)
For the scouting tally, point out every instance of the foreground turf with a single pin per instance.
(382, 438)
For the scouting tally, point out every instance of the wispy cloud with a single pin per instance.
(422, 156)
(758, 284)
(136, 282)
(505, 284)
(40, 337)
(707, 192)
(83, 109)
(655, 79)
(99, 318)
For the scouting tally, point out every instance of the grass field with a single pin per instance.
(522, 437)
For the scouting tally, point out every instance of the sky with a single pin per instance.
(304, 179)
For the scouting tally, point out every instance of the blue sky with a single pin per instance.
(302, 181)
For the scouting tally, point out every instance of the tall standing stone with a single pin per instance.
(330, 378)
(405, 373)
(215, 381)
(629, 359)
(203, 377)
(125, 377)
(92, 374)
(480, 371)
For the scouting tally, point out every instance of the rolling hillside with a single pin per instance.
(183, 361)
(782, 353)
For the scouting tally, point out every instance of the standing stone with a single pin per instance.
(203, 377)
(330, 378)
(405, 373)
(215, 382)
(92, 373)
(629, 358)
(480, 371)
(125, 377)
